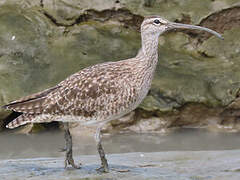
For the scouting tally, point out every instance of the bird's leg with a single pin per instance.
(69, 158)
(104, 163)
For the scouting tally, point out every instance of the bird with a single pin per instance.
(100, 93)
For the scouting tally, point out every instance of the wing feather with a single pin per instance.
(30, 104)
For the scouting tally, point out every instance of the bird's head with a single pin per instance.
(155, 25)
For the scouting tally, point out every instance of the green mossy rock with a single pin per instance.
(24, 36)
(66, 12)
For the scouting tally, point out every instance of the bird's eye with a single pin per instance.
(156, 21)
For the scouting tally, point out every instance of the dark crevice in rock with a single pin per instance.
(49, 16)
(53, 19)
(124, 16)
(186, 19)
(204, 54)
(196, 114)
(121, 15)
(219, 21)
(149, 3)
(41, 3)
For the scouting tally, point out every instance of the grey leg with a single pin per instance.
(104, 164)
(69, 158)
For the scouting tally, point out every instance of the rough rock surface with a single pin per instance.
(197, 78)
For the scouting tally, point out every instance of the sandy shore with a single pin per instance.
(183, 165)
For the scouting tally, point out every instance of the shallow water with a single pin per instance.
(49, 144)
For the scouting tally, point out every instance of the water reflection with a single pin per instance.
(49, 144)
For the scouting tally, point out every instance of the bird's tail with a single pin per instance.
(21, 120)
(33, 104)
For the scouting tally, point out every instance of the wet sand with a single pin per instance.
(186, 154)
(187, 165)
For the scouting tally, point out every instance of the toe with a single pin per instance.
(103, 169)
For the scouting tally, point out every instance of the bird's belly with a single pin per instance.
(107, 115)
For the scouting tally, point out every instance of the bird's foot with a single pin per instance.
(70, 161)
(103, 169)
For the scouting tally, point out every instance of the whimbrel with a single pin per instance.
(100, 93)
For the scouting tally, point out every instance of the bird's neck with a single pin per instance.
(149, 49)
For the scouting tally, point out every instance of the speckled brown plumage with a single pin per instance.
(95, 94)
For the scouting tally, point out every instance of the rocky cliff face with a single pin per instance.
(197, 79)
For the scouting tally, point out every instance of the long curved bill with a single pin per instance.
(172, 25)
